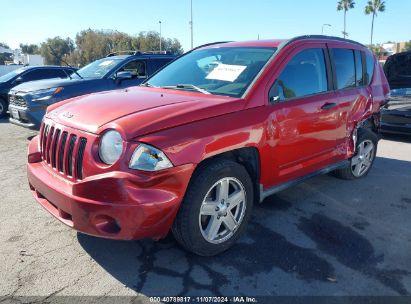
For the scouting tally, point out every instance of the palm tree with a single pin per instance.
(345, 5)
(374, 7)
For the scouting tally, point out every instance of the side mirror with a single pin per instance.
(276, 93)
(120, 76)
(18, 80)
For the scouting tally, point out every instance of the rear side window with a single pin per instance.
(369, 58)
(359, 73)
(304, 75)
(344, 68)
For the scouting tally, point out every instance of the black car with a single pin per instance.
(25, 74)
(396, 115)
(28, 102)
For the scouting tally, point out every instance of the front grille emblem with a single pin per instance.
(67, 115)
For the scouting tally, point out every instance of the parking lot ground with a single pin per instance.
(324, 237)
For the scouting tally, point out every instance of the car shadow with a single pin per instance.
(266, 260)
(5, 119)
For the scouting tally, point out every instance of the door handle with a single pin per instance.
(329, 105)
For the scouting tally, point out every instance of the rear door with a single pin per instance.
(354, 95)
(304, 113)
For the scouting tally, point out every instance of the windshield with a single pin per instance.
(97, 69)
(222, 71)
(11, 75)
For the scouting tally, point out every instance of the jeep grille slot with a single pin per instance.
(73, 139)
(62, 150)
(80, 155)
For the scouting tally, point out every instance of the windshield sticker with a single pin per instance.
(226, 72)
(106, 63)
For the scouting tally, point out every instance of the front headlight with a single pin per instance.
(111, 147)
(42, 95)
(148, 158)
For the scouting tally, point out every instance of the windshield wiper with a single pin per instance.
(187, 86)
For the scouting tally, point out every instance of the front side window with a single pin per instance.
(221, 71)
(304, 75)
(136, 68)
(344, 68)
(54, 73)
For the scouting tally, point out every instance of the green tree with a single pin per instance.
(407, 46)
(29, 49)
(374, 7)
(56, 50)
(345, 5)
(5, 56)
(95, 44)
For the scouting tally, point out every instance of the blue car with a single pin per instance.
(28, 102)
(25, 74)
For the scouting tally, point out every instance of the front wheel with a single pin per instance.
(363, 159)
(3, 108)
(216, 208)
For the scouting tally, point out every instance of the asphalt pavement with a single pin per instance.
(324, 237)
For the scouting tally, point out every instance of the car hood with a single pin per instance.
(32, 86)
(138, 111)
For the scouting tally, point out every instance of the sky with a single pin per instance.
(214, 20)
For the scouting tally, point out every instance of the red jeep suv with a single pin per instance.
(220, 128)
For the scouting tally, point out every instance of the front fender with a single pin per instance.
(192, 143)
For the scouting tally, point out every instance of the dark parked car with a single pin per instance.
(28, 102)
(24, 74)
(396, 115)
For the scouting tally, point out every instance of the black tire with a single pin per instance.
(364, 136)
(3, 108)
(187, 228)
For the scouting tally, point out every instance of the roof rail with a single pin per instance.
(134, 53)
(209, 44)
(324, 37)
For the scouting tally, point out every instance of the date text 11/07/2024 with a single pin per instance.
(239, 299)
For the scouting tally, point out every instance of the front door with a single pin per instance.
(305, 115)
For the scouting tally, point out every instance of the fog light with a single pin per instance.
(106, 224)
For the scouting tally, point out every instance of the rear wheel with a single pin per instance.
(216, 208)
(3, 108)
(363, 159)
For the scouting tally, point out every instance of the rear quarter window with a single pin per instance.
(370, 62)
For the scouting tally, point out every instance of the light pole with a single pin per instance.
(191, 25)
(322, 29)
(160, 34)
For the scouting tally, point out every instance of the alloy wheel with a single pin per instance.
(222, 210)
(362, 161)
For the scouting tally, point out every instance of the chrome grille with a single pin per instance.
(62, 150)
(17, 100)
